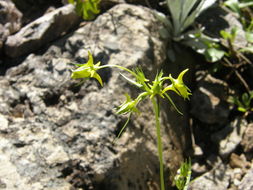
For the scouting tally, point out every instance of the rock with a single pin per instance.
(3, 123)
(239, 162)
(218, 179)
(65, 139)
(247, 183)
(41, 31)
(208, 102)
(33, 9)
(10, 20)
(230, 137)
(247, 139)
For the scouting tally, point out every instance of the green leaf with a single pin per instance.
(225, 35)
(213, 54)
(187, 7)
(183, 177)
(175, 10)
(88, 9)
(247, 49)
(71, 1)
(233, 5)
(249, 36)
(245, 4)
(241, 109)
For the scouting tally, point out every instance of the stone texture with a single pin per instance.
(10, 20)
(247, 183)
(218, 178)
(247, 139)
(59, 134)
(230, 136)
(41, 31)
(208, 102)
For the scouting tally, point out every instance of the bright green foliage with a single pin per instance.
(183, 177)
(214, 54)
(230, 36)
(88, 70)
(183, 15)
(88, 9)
(178, 27)
(236, 5)
(244, 104)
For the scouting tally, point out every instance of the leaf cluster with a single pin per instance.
(183, 177)
(179, 28)
(244, 104)
(88, 9)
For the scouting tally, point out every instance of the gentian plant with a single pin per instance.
(158, 88)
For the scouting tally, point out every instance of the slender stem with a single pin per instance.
(119, 67)
(159, 140)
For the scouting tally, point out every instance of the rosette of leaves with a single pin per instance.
(177, 27)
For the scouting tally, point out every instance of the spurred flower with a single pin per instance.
(178, 85)
(88, 70)
(128, 106)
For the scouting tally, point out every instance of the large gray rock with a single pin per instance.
(59, 135)
(42, 31)
(10, 20)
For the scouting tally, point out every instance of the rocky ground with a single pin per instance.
(56, 134)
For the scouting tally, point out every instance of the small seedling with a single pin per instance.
(244, 104)
(183, 177)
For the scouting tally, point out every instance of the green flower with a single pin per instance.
(88, 70)
(128, 106)
(178, 85)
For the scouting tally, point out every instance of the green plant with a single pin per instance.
(244, 104)
(177, 27)
(183, 177)
(154, 90)
(87, 9)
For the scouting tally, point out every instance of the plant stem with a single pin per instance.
(159, 140)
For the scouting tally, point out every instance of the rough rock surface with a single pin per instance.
(218, 178)
(247, 139)
(10, 20)
(57, 135)
(230, 136)
(41, 31)
(247, 183)
(208, 102)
